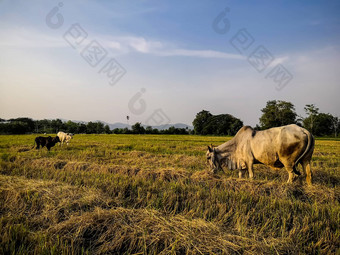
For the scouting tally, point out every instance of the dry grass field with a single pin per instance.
(145, 194)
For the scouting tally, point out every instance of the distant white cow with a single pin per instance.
(63, 137)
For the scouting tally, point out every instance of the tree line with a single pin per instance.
(137, 128)
(276, 113)
(28, 125)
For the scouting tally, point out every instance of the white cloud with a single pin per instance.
(279, 60)
(25, 37)
(142, 45)
(199, 53)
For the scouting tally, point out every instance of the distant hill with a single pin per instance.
(177, 125)
(161, 127)
(125, 125)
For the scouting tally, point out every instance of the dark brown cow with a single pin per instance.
(278, 147)
(46, 141)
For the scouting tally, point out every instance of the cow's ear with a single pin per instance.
(210, 149)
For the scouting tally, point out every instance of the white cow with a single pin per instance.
(64, 137)
(278, 147)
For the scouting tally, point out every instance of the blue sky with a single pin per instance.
(173, 57)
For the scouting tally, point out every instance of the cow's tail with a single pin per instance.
(310, 145)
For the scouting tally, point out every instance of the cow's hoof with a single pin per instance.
(290, 181)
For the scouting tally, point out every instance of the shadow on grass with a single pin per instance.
(326, 178)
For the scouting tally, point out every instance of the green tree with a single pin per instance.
(277, 113)
(22, 125)
(336, 125)
(91, 128)
(148, 130)
(320, 124)
(200, 121)
(155, 131)
(99, 127)
(57, 125)
(312, 112)
(137, 128)
(323, 124)
(117, 131)
(15, 127)
(126, 131)
(71, 127)
(107, 129)
(223, 124)
(44, 126)
(82, 128)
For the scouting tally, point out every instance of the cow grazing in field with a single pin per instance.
(46, 141)
(64, 137)
(278, 147)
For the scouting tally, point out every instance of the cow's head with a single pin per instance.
(56, 139)
(68, 138)
(213, 159)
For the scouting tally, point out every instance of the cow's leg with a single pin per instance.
(250, 170)
(241, 173)
(307, 169)
(290, 171)
(290, 175)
